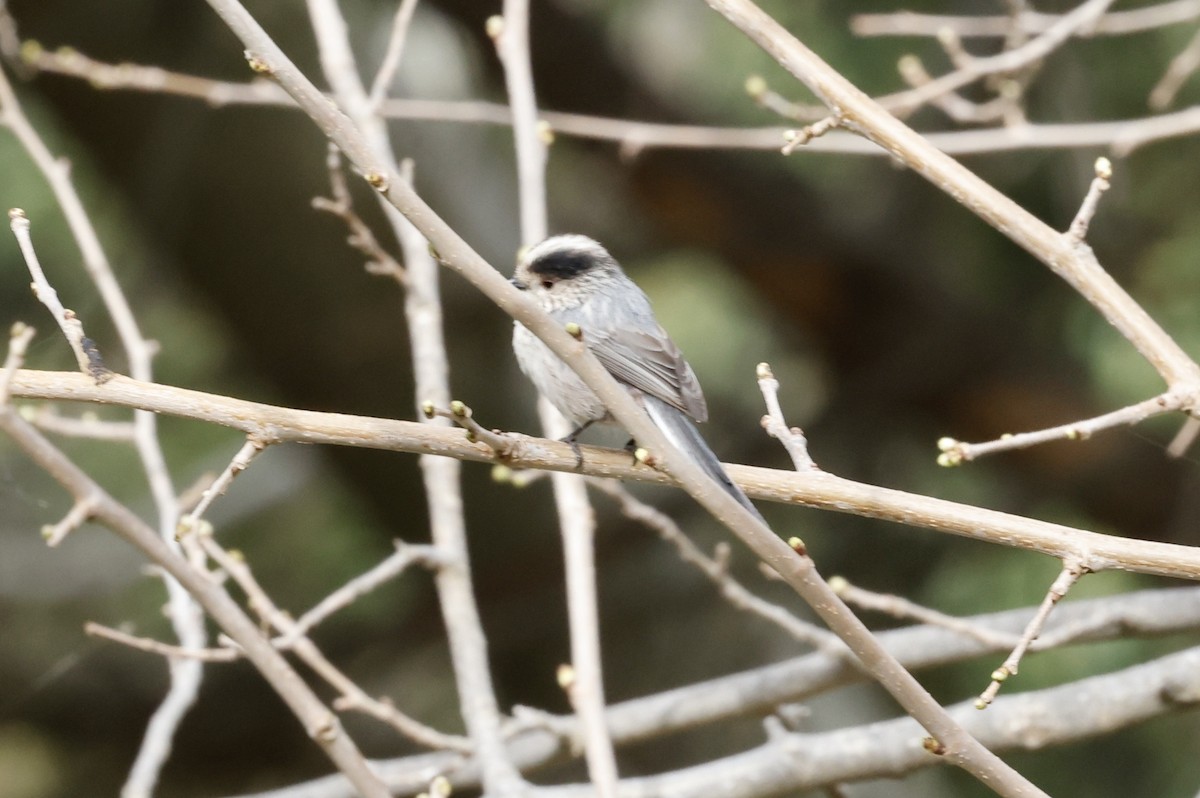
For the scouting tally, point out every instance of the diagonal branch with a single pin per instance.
(320, 724)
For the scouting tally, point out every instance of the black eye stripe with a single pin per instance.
(562, 265)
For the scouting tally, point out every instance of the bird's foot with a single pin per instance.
(570, 440)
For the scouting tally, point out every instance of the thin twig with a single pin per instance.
(1080, 18)
(362, 238)
(499, 442)
(716, 569)
(955, 452)
(392, 54)
(86, 425)
(352, 696)
(153, 646)
(1115, 23)
(900, 607)
(1070, 574)
(1077, 232)
(775, 424)
(72, 328)
(405, 555)
(1182, 67)
(251, 449)
(19, 336)
(77, 516)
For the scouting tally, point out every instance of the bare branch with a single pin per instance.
(352, 697)
(317, 720)
(761, 690)
(576, 519)
(392, 54)
(795, 763)
(362, 238)
(815, 489)
(72, 328)
(86, 425)
(152, 646)
(954, 452)
(1121, 136)
(1182, 67)
(1070, 574)
(716, 569)
(422, 308)
(18, 344)
(405, 555)
(1079, 226)
(251, 449)
(1116, 23)
(775, 424)
(900, 607)
(183, 611)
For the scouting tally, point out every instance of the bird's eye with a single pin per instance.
(547, 284)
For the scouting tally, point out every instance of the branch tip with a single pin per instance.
(756, 86)
(494, 27)
(440, 787)
(31, 51)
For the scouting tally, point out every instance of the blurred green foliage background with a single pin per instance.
(892, 315)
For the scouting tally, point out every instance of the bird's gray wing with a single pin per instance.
(647, 359)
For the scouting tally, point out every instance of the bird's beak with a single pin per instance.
(520, 286)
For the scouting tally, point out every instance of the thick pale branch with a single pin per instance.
(272, 424)
(759, 691)
(1029, 721)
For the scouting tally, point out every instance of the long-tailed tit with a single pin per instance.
(574, 279)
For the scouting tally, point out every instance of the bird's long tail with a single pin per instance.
(681, 432)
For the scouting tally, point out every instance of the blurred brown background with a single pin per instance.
(892, 315)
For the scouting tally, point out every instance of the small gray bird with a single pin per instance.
(574, 279)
